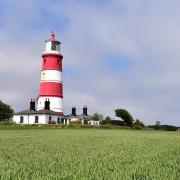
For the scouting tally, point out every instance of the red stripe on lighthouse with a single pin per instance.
(51, 89)
(52, 62)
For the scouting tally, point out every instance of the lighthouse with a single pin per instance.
(51, 87)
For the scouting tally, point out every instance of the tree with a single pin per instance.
(124, 115)
(97, 117)
(6, 112)
(138, 124)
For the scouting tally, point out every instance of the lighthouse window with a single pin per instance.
(43, 75)
(55, 46)
(21, 119)
(36, 119)
(50, 122)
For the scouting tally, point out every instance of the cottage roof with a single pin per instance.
(42, 111)
(77, 116)
(28, 111)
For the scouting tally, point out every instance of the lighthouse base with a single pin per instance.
(56, 104)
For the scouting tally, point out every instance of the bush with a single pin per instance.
(138, 127)
(163, 127)
(138, 124)
(51, 122)
(118, 123)
(7, 123)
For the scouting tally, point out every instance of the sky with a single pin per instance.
(117, 54)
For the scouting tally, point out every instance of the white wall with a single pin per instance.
(30, 119)
(74, 119)
(93, 122)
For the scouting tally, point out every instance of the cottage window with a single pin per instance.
(43, 75)
(36, 119)
(58, 120)
(21, 119)
(62, 120)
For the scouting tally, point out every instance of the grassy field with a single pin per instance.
(89, 154)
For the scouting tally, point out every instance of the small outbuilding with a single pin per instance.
(82, 119)
(92, 122)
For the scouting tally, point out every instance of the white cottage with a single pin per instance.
(39, 117)
(43, 116)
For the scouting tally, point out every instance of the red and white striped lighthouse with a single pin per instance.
(51, 76)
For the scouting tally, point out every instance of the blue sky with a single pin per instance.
(117, 54)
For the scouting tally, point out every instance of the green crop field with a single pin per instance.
(89, 154)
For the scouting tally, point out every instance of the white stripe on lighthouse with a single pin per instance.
(51, 76)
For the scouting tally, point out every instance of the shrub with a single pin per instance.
(138, 127)
(51, 122)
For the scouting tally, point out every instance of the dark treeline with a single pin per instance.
(6, 112)
(163, 127)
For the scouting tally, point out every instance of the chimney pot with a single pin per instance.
(32, 105)
(85, 111)
(74, 111)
